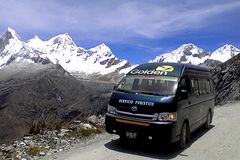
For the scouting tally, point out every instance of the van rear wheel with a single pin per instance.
(184, 136)
(209, 120)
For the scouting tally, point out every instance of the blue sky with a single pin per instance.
(136, 30)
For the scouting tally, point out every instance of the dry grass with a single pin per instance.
(80, 132)
(34, 151)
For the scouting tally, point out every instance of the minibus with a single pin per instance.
(161, 102)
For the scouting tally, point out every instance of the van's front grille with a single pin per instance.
(146, 110)
(136, 115)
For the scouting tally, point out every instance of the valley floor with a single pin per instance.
(220, 142)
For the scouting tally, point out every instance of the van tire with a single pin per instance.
(184, 136)
(209, 120)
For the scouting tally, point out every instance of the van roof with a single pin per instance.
(164, 68)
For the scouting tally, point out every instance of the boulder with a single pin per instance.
(92, 119)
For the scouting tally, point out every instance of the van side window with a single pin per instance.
(208, 86)
(201, 87)
(211, 86)
(204, 86)
(194, 87)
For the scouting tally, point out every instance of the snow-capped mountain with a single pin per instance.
(224, 53)
(62, 50)
(187, 53)
(12, 49)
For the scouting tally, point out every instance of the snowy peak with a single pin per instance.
(187, 46)
(188, 50)
(101, 47)
(102, 50)
(61, 44)
(13, 33)
(228, 48)
(10, 43)
(62, 39)
(35, 41)
(224, 53)
(10, 34)
(187, 53)
(36, 38)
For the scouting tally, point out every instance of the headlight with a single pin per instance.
(111, 109)
(167, 116)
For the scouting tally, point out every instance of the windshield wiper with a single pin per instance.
(126, 91)
(144, 92)
(154, 93)
(150, 93)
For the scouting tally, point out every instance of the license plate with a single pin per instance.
(131, 135)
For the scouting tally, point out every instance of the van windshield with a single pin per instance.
(153, 85)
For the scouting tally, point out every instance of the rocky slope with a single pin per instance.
(210, 63)
(34, 92)
(226, 77)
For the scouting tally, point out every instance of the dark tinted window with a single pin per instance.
(208, 83)
(194, 87)
(205, 86)
(202, 87)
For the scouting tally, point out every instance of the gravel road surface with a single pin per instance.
(221, 142)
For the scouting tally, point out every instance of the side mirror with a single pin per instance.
(183, 94)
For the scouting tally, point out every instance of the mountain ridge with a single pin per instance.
(60, 49)
(189, 53)
(99, 60)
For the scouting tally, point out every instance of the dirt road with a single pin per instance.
(221, 142)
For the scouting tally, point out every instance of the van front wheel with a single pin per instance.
(184, 136)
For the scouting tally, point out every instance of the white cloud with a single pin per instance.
(150, 48)
(112, 20)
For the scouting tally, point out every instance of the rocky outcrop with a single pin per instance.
(226, 78)
(210, 63)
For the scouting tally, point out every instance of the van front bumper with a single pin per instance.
(163, 132)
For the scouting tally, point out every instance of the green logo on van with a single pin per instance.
(165, 68)
(160, 70)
